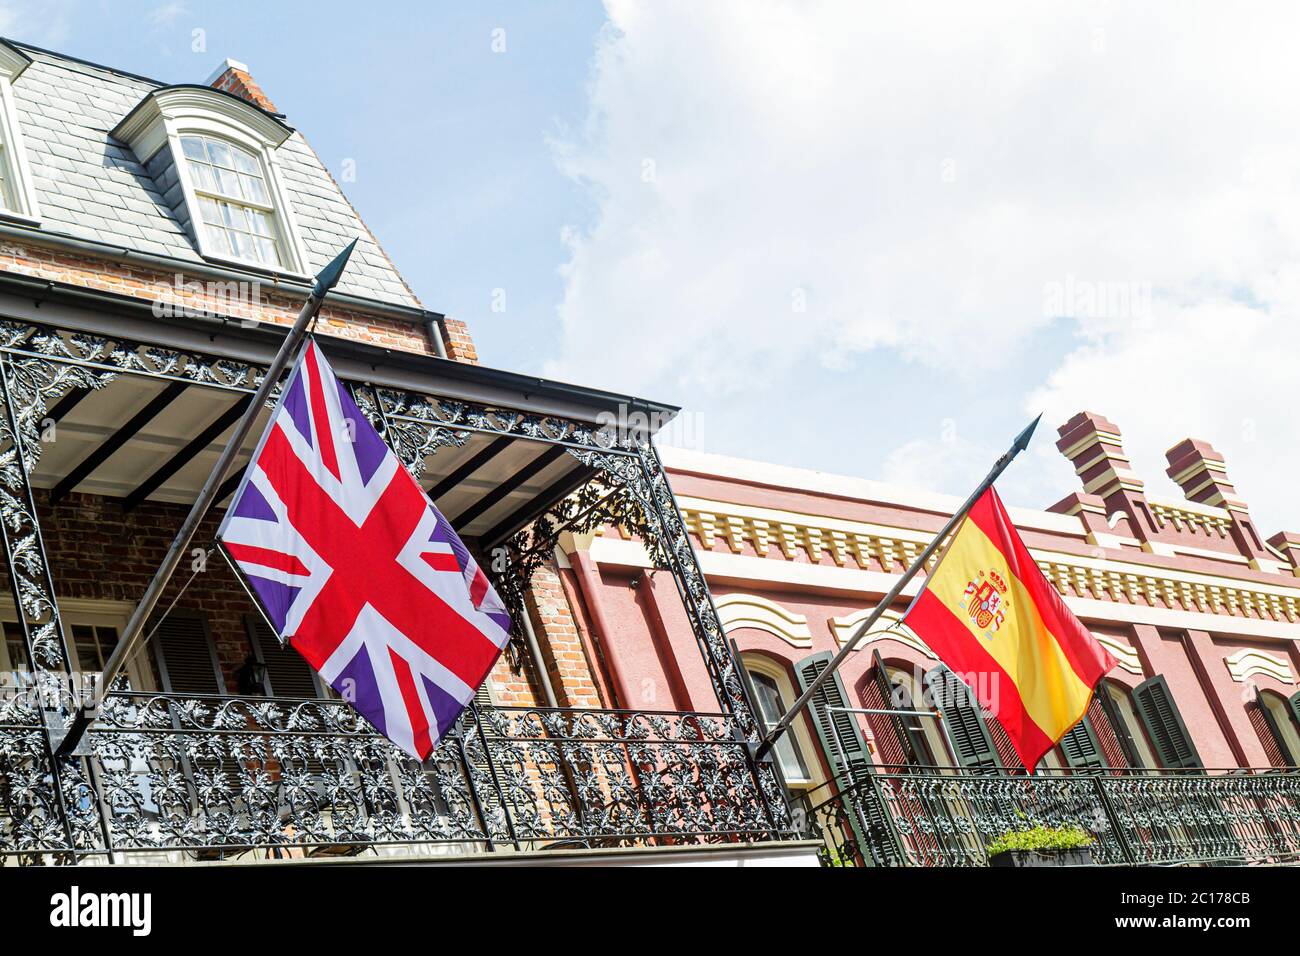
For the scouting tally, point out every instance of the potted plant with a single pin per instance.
(1042, 846)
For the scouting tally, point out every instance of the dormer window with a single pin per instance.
(234, 203)
(17, 191)
(213, 156)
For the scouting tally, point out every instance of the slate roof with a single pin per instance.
(91, 187)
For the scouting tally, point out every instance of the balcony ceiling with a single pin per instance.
(148, 439)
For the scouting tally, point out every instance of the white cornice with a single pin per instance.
(12, 61)
(197, 107)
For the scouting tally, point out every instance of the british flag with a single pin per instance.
(356, 568)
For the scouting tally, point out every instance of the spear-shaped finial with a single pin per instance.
(328, 277)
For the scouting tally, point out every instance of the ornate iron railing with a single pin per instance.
(208, 777)
(943, 816)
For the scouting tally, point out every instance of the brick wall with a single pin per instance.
(182, 294)
(557, 634)
(98, 552)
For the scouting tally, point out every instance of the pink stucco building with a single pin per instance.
(1198, 607)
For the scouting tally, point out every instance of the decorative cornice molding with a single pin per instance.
(1126, 656)
(1249, 662)
(772, 533)
(889, 627)
(140, 128)
(750, 610)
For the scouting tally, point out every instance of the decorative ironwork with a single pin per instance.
(946, 817)
(216, 776)
(222, 774)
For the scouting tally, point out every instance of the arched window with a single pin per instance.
(1117, 703)
(1277, 721)
(774, 694)
(234, 203)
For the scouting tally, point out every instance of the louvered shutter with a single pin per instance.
(1006, 751)
(187, 659)
(1164, 724)
(848, 757)
(1120, 726)
(894, 738)
(966, 728)
(1099, 717)
(1081, 748)
(287, 674)
(1270, 736)
(1294, 701)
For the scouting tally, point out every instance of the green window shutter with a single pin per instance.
(839, 734)
(966, 730)
(1294, 701)
(896, 735)
(1081, 748)
(187, 659)
(1164, 724)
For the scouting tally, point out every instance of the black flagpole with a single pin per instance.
(1017, 446)
(132, 635)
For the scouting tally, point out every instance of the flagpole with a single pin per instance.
(1017, 446)
(132, 634)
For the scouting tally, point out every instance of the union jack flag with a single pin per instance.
(356, 568)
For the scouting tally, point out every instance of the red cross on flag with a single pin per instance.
(356, 568)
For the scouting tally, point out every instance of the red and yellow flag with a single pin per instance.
(997, 622)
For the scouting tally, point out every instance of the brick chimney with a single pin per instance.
(1203, 475)
(1095, 447)
(233, 77)
(1288, 542)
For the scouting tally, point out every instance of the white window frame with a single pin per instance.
(18, 200)
(758, 663)
(73, 611)
(172, 112)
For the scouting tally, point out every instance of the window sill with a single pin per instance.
(18, 218)
(259, 268)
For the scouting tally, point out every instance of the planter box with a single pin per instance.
(1081, 856)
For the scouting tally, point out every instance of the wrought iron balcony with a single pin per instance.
(943, 816)
(219, 777)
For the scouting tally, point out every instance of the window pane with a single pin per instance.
(220, 241)
(244, 162)
(15, 647)
(259, 222)
(227, 183)
(244, 245)
(203, 177)
(192, 147)
(234, 217)
(771, 708)
(254, 190)
(266, 252)
(220, 154)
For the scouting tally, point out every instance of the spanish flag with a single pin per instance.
(991, 615)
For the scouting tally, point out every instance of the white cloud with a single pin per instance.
(923, 178)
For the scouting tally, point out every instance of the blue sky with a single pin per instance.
(840, 235)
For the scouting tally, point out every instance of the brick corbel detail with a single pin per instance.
(460, 347)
